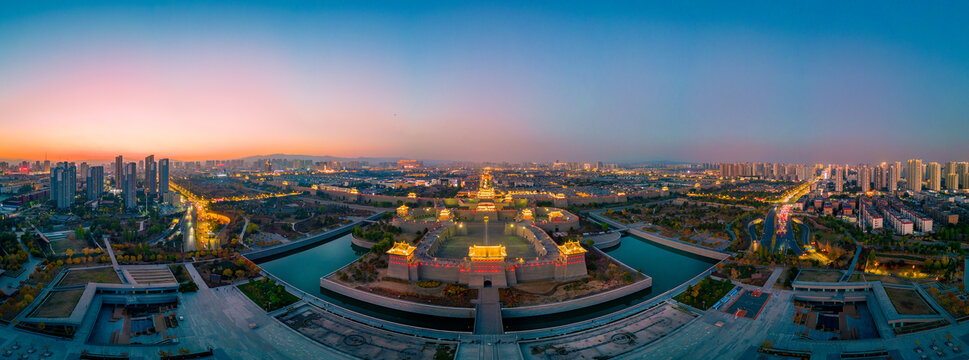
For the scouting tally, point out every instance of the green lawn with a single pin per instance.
(908, 302)
(105, 275)
(819, 275)
(267, 294)
(456, 247)
(58, 304)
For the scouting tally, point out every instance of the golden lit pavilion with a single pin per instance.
(402, 249)
(485, 206)
(487, 252)
(402, 210)
(527, 214)
(555, 216)
(412, 195)
(571, 260)
(444, 215)
(571, 248)
(485, 190)
(399, 264)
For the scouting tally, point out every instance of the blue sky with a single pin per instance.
(616, 81)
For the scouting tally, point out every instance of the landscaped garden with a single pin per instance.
(747, 274)
(949, 300)
(698, 223)
(185, 282)
(705, 293)
(751, 193)
(267, 294)
(226, 271)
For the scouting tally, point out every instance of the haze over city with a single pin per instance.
(578, 81)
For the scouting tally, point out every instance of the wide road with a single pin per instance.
(769, 220)
(787, 241)
(783, 241)
(188, 230)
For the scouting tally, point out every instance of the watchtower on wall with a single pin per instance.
(401, 262)
(571, 261)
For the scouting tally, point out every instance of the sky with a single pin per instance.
(818, 81)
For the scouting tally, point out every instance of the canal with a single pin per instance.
(667, 266)
(304, 270)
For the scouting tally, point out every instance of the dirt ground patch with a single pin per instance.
(58, 304)
(105, 275)
(908, 302)
(819, 275)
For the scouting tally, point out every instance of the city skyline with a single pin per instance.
(826, 82)
(251, 159)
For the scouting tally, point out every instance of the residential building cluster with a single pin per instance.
(775, 171)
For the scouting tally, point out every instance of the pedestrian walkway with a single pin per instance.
(114, 261)
(854, 262)
(773, 279)
(195, 276)
(487, 314)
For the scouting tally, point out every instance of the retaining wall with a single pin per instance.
(396, 304)
(366, 244)
(575, 304)
(607, 240)
(713, 254)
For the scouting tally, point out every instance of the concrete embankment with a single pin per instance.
(366, 244)
(397, 304)
(713, 254)
(309, 241)
(607, 240)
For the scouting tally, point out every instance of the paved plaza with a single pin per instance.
(224, 320)
(614, 339)
(356, 340)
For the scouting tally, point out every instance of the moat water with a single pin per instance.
(667, 266)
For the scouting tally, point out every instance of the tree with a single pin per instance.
(79, 233)
(227, 273)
